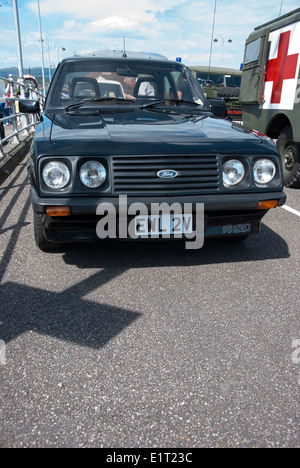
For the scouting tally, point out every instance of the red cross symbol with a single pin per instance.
(281, 68)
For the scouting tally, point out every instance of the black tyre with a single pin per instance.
(228, 91)
(290, 157)
(40, 239)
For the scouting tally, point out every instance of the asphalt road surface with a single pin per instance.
(148, 344)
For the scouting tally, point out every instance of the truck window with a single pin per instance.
(252, 51)
(232, 80)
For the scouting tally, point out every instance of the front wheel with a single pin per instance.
(290, 157)
(39, 236)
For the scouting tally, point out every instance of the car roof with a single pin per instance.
(121, 54)
(216, 70)
(109, 82)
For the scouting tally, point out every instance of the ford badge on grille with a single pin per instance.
(168, 174)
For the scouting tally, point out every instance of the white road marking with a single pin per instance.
(288, 208)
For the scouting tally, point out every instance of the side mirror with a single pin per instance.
(27, 106)
(218, 107)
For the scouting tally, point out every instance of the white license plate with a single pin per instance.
(164, 224)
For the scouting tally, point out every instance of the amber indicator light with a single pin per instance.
(58, 211)
(267, 204)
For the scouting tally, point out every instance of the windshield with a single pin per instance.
(137, 81)
(216, 79)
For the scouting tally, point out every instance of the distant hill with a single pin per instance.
(14, 71)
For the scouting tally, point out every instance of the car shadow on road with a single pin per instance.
(63, 315)
(266, 245)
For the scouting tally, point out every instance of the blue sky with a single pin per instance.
(174, 28)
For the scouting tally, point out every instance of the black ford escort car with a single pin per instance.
(121, 129)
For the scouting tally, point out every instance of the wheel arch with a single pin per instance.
(277, 124)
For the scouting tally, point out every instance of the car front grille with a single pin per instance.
(138, 174)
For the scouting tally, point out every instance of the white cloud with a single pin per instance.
(113, 22)
(71, 24)
(99, 9)
(170, 27)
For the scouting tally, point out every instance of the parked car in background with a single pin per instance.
(111, 89)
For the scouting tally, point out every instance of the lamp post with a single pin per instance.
(229, 41)
(49, 59)
(18, 38)
(212, 35)
(42, 49)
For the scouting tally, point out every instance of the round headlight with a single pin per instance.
(264, 171)
(92, 174)
(56, 175)
(233, 172)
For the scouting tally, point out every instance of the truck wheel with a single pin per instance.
(40, 239)
(290, 158)
(228, 91)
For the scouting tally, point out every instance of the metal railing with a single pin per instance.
(17, 124)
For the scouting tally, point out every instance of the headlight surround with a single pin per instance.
(264, 171)
(233, 172)
(56, 175)
(92, 174)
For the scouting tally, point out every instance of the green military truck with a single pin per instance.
(270, 88)
(222, 83)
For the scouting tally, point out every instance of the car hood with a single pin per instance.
(144, 132)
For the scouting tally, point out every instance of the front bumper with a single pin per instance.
(224, 215)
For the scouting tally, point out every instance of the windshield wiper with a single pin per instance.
(101, 99)
(154, 103)
(171, 101)
(84, 111)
